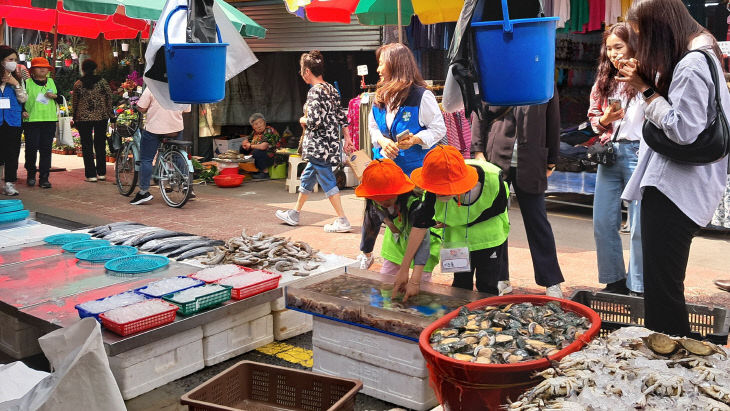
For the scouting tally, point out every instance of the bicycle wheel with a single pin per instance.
(175, 178)
(124, 171)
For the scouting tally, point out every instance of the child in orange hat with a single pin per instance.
(391, 191)
(469, 201)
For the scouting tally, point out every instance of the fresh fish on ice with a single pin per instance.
(155, 236)
(194, 244)
(195, 252)
(153, 244)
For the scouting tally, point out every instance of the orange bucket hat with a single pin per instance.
(444, 172)
(40, 62)
(383, 180)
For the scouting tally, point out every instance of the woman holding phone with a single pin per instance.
(617, 114)
(405, 123)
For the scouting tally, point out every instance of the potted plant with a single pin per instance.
(23, 51)
(125, 46)
(77, 146)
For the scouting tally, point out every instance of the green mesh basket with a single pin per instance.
(201, 302)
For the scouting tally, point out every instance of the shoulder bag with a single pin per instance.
(711, 145)
(605, 153)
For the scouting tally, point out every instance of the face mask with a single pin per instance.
(10, 66)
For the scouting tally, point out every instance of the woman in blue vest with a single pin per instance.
(12, 97)
(405, 123)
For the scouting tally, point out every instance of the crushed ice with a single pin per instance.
(139, 310)
(191, 294)
(218, 272)
(169, 285)
(246, 279)
(112, 302)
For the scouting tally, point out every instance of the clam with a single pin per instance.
(449, 332)
(503, 338)
(463, 357)
(483, 360)
(701, 348)
(447, 341)
(535, 328)
(481, 351)
(661, 343)
(471, 340)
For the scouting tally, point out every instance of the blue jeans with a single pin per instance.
(147, 150)
(318, 173)
(610, 183)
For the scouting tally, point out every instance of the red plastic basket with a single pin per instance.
(257, 288)
(142, 324)
(465, 386)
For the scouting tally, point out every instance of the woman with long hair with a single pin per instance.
(323, 118)
(617, 114)
(12, 97)
(92, 109)
(676, 199)
(404, 124)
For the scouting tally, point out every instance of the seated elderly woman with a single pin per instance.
(262, 144)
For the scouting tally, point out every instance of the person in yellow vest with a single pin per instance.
(39, 121)
(467, 202)
(391, 193)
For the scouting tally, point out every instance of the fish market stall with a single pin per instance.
(360, 331)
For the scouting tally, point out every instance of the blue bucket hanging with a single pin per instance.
(196, 72)
(516, 59)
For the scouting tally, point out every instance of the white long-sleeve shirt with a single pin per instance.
(429, 116)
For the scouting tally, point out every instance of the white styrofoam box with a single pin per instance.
(30, 231)
(145, 368)
(238, 340)
(223, 145)
(350, 177)
(379, 382)
(370, 346)
(231, 321)
(279, 304)
(290, 323)
(17, 338)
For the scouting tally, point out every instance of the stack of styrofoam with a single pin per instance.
(145, 368)
(17, 338)
(289, 323)
(391, 368)
(237, 334)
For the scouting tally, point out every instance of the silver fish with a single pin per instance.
(118, 237)
(131, 240)
(152, 244)
(194, 244)
(140, 240)
(174, 245)
(105, 230)
(195, 252)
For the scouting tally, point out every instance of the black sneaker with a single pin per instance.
(44, 184)
(618, 287)
(141, 198)
(30, 181)
(260, 176)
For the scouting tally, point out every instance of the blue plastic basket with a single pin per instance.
(9, 208)
(77, 246)
(142, 290)
(101, 254)
(61, 239)
(85, 313)
(7, 203)
(14, 216)
(134, 264)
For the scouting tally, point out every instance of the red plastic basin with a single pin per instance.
(229, 171)
(228, 180)
(468, 386)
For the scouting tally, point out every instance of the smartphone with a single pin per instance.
(403, 134)
(615, 103)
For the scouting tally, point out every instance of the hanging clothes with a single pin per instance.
(353, 120)
(561, 8)
(625, 6)
(458, 131)
(366, 106)
(613, 11)
(579, 16)
(596, 15)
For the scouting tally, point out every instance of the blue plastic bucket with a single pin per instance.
(196, 72)
(516, 59)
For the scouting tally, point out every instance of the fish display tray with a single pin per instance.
(141, 324)
(254, 386)
(133, 264)
(61, 239)
(106, 253)
(364, 299)
(239, 293)
(86, 313)
(77, 246)
(201, 302)
(617, 311)
(14, 216)
(143, 290)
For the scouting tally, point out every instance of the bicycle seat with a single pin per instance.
(178, 142)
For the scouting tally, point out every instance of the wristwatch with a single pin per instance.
(554, 166)
(649, 93)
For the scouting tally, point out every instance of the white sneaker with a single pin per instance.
(290, 217)
(91, 179)
(554, 291)
(341, 225)
(504, 287)
(365, 261)
(10, 189)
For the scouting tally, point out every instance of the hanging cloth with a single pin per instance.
(353, 120)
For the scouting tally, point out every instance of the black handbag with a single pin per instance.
(711, 145)
(602, 153)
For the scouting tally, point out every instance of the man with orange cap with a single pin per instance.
(469, 201)
(391, 191)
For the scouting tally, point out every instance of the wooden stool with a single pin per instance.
(292, 181)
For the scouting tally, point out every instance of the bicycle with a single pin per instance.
(172, 169)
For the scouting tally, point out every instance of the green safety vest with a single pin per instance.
(394, 251)
(484, 234)
(37, 110)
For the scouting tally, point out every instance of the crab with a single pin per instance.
(690, 362)
(708, 374)
(716, 392)
(662, 385)
(554, 387)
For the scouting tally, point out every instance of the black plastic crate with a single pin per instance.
(618, 311)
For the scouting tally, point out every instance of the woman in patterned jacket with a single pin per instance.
(323, 118)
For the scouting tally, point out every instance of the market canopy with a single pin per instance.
(21, 14)
(149, 10)
(377, 12)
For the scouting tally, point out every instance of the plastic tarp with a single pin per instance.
(81, 377)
